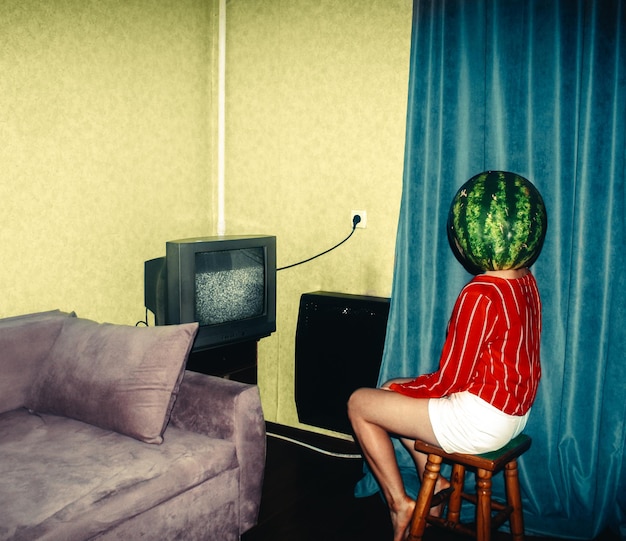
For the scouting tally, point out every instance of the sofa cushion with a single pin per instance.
(116, 377)
(62, 479)
(24, 343)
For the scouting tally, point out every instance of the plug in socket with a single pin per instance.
(363, 214)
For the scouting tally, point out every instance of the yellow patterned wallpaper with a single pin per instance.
(108, 148)
(107, 134)
(315, 120)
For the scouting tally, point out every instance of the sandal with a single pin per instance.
(441, 497)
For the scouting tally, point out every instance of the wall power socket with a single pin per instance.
(363, 214)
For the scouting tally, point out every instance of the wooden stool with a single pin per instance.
(486, 466)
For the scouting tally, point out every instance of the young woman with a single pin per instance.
(478, 399)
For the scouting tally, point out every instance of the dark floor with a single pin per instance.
(308, 496)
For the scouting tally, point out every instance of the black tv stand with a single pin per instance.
(236, 361)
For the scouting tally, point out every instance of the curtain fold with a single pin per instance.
(538, 88)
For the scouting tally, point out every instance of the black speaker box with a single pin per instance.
(339, 346)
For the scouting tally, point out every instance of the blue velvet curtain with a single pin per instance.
(537, 87)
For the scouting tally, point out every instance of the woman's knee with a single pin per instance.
(354, 403)
(359, 402)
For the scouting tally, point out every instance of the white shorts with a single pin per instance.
(464, 423)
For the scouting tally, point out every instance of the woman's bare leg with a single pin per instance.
(420, 460)
(375, 414)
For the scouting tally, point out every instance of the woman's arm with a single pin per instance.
(470, 327)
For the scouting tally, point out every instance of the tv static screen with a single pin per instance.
(230, 285)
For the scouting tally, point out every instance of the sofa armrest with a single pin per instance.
(228, 410)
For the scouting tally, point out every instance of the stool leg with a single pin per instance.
(454, 503)
(422, 506)
(483, 505)
(514, 500)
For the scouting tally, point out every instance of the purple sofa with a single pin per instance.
(104, 435)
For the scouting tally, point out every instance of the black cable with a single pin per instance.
(355, 220)
(143, 322)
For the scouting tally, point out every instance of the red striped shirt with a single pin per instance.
(492, 346)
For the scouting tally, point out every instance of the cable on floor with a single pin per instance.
(314, 448)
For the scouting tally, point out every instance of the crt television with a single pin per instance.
(225, 283)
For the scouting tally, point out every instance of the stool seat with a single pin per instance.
(486, 465)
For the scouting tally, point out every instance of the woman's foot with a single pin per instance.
(401, 515)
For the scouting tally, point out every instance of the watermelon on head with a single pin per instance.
(497, 221)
